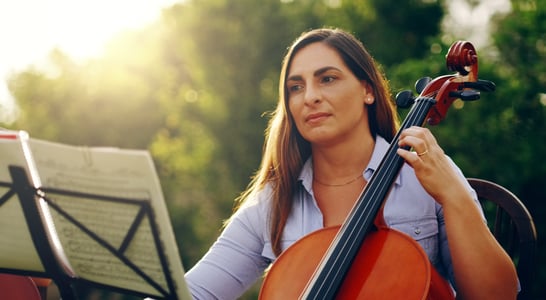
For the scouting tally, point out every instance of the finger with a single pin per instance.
(410, 157)
(417, 131)
(417, 143)
(423, 153)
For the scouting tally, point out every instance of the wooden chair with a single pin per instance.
(512, 226)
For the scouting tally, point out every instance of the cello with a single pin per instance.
(361, 259)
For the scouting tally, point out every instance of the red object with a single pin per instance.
(15, 287)
(385, 254)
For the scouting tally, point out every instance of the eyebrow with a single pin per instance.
(315, 74)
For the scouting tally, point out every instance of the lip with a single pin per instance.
(316, 117)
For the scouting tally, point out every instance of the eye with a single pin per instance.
(293, 88)
(328, 79)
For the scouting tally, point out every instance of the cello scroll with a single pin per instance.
(464, 84)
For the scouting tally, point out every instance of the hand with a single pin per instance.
(433, 169)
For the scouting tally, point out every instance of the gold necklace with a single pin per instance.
(340, 184)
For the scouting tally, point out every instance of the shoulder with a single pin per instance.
(258, 200)
(255, 210)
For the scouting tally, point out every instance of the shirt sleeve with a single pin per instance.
(234, 262)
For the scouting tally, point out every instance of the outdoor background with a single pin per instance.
(194, 88)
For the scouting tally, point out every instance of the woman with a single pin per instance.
(331, 127)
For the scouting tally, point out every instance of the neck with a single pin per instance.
(339, 164)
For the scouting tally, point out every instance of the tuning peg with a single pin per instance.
(467, 95)
(481, 85)
(421, 84)
(404, 99)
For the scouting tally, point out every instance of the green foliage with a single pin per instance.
(394, 30)
(193, 88)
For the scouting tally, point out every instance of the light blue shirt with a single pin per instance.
(243, 250)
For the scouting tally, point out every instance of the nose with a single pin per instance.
(312, 94)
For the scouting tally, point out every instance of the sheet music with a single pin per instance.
(111, 172)
(17, 250)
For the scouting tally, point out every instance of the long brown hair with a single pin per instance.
(285, 151)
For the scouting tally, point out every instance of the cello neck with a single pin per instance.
(337, 261)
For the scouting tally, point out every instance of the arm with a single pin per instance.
(233, 263)
(482, 268)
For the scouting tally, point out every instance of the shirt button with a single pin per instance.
(417, 230)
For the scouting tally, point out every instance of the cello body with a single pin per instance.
(389, 265)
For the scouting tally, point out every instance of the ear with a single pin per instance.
(369, 97)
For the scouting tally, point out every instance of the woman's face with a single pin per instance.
(325, 98)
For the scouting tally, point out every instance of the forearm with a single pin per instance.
(482, 268)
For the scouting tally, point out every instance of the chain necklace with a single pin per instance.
(339, 184)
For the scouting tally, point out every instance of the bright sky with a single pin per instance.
(30, 29)
(473, 23)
